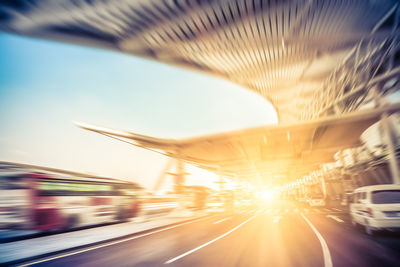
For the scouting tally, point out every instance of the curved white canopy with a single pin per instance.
(281, 49)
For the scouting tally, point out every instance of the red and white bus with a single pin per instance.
(40, 198)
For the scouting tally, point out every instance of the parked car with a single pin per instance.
(376, 207)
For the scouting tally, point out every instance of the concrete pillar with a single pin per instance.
(342, 173)
(179, 178)
(221, 183)
(388, 140)
(323, 185)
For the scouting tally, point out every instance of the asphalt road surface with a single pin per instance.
(275, 236)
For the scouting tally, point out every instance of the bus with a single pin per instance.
(41, 198)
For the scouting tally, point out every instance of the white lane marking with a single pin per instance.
(336, 218)
(325, 249)
(209, 242)
(276, 219)
(336, 209)
(220, 221)
(111, 243)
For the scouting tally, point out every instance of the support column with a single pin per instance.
(221, 184)
(342, 173)
(179, 178)
(179, 188)
(393, 164)
(323, 184)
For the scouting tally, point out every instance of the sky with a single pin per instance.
(45, 86)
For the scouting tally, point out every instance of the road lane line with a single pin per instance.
(110, 243)
(209, 242)
(336, 218)
(325, 249)
(336, 209)
(220, 221)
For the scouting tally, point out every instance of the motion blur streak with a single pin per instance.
(329, 168)
(246, 240)
(110, 243)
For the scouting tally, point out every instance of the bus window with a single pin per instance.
(67, 188)
(12, 183)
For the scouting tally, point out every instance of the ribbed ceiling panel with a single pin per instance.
(271, 47)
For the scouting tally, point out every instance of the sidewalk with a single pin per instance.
(25, 250)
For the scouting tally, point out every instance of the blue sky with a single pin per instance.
(45, 86)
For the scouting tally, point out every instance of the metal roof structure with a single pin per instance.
(283, 50)
(266, 153)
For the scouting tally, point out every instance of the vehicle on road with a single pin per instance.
(376, 207)
(42, 199)
(215, 203)
(316, 201)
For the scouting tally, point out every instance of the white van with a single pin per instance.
(376, 207)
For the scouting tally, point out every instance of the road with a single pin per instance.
(275, 236)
